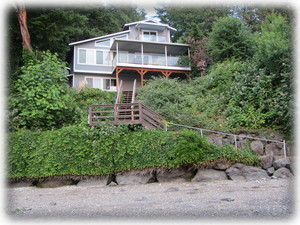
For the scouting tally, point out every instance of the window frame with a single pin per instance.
(154, 31)
(94, 63)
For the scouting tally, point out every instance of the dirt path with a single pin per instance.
(234, 199)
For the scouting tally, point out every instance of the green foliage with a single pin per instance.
(84, 97)
(170, 98)
(76, 150)
(54, 28)
(40, 99)
(230, 37)
(190, 21)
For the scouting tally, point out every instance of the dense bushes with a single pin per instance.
(249, 91)
(41, 99)
(77, 150)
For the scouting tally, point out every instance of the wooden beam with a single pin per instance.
(118, 70)
(166, 73)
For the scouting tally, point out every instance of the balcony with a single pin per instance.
(148, 60)
(152, 38)
(150, 55)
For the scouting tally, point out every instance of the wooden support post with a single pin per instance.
(115, 112)
(142, 73)
(117, 78)
(166, 73)
(141, 113)
(90, 116)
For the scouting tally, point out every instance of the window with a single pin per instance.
(109, 84)
(122, 37)
(105, 43)
(94, 57)
(99, 57)
(101, 83)
(86, 56)
(149, 35)
(82, 56)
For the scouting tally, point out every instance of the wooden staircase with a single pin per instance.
(125, 110)
(126, 97)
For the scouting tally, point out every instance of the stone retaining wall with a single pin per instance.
(221, 170)
(260, 147)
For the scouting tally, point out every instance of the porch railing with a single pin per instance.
(132, 113)
(155, 38)
(150, 59)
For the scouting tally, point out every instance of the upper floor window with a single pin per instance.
(105, 43)
(149, 35)
(86, 56)
(94, 57)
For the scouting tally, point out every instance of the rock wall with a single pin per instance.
(221, 170)
(260, 147)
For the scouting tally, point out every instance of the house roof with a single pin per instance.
(149, 22)
(99, 38)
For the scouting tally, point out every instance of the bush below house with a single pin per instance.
(108, 149)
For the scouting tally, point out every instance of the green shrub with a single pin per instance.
(39, 100)
(84, 97)
(109, 149)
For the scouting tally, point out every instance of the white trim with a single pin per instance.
(149, 23)
(93, 71)
(152, 42)
(155, 67)
(100, 37)
(74, 57)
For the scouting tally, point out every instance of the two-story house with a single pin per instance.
(141, 50)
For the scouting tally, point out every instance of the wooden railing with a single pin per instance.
(132, 113)
(120, 91)
(133, 91)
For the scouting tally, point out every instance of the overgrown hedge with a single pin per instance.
(104, 150)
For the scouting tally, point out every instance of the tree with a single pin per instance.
(230, 37)
(188, 19)
(40, 100)
(254, 17)
(264, 89)
(22, 18)
(54, 28)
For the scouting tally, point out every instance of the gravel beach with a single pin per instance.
(270, 199)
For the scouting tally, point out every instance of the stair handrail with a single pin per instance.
(133, 91)
(154, 117)
(120, 91)
(141, 115)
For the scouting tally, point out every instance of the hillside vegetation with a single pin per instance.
(79, 151)
(246, 85)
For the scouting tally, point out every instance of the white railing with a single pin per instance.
(148, 59)
(234, 135)
(152, 38)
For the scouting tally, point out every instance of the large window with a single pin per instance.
(94, 57)
(86, 56)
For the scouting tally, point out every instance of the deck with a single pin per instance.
(131, 113)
